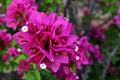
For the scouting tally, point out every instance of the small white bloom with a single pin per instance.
(77, 57)
(76, 49)
(24, 28)
(19, 50)
(43, 66)
(77, 77)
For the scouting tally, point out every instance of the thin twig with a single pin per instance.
(66, 5)
(103, 23)
(84, 73)
(91, 8)
(108, 60)
(92, 4)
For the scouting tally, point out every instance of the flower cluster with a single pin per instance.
(5, 39)
(49, 42)
(47, 39)
(12, 52)
(98, 34)
(18, 12)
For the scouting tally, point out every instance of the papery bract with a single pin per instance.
(23, 65)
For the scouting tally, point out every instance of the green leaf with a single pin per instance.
(47, 75)
(37, 75)
(58, 1)
(14, 42)
(49, 1)
(11, 59)
(8, 2)
(21, 57)
(73, 66)
(32, 75)
(115, 59)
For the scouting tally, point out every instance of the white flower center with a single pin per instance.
(43, 66)
(19, 50)
(24, 28)
(77, 57)
(76, 49)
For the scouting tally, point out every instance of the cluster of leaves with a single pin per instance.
(51, 6)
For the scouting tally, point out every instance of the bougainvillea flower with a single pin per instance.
(71, 77)
(5, 57)
(5, 39)
(63, 71)
(49, 42)
(113, 70)
(14, 51)
(42, 41)
(98, 34)
(66, 73)
(18, 12)
(81, 48)
(84, 50)
(96, 52)
(23, 65)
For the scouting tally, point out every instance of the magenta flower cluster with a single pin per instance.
(49, 42)
(18, 12)
(12, 52)
(47, 39)
(5, 39)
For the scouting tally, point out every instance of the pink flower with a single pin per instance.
(98, 34)
(117, 17)
(5, 39)
(49, 42)
(65, 72)
(14, 51)
(113, 70)
(81, 48)
(5, 57)
(85, 11)
(18, 12)
(96, 52)
(47, 39)
(71, 77)
(23, 65)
